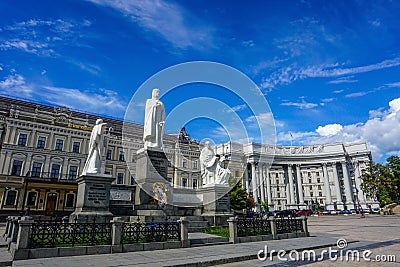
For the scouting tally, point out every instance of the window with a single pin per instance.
(184, 163)
(73, 171)
(195, 166)
(309, 181)
(107, 172)
(317, 173)
(36, 169)
(277, 181)
(184, 182)
(120, 178)
(76, 147)
(109, 154)
(319, 187)
(169, 164)
(236, 173)
(22, 139)
(31, 201)
(320, 194)
(11, 197)
(41, 143)
(194, 183)
(69, 200)
(55, 171)
(121, 156)
(132, 180)
(276, 175)
(310, 187)
(59, 144)
(311, 194)
(318, 180)
(16, 168)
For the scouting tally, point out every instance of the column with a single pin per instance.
(261, 182)
(2, 159)
(337, 184)
(28, 163)
(246, 180)
(254, 181)
(347, 185)
(299, 185)
(357, 176)
(291, 185)
(7, 163)
(32, 138)
(46, 166)
(268, 179)
(326, 185)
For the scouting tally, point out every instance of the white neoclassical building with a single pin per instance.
(43, 150)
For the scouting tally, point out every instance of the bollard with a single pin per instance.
(184, 227)
(233, 234)
(24, 227)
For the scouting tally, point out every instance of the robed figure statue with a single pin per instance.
(96, 144)
(154, 119)
(212, 171)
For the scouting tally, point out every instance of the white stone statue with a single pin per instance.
(96, 144)
(211, 167)
(154, 119)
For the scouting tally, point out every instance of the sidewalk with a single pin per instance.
(195, 256)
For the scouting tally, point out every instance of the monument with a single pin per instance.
(93, 187)
(215, 183)
(151, 171)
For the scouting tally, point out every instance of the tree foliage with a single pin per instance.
(238, 197)
(381, 182)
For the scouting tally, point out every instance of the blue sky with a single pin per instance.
(328, 69)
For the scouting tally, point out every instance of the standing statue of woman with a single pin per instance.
(93, 161)
(154, 119)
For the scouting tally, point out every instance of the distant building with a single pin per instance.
(43, 150)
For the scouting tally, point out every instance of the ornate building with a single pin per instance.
(43, 150)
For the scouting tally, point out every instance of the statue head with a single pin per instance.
(155, 93)
(99, 121)
(207, 144)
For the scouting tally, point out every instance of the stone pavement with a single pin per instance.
(377, 233)
(195, 256)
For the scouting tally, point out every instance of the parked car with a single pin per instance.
(346, 212)
(285, 213)
(366, 211)
(333, 212)
(326, 212)
(304, 213)
(353, 211)
(376, 210)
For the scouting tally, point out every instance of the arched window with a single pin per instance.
(11, 197)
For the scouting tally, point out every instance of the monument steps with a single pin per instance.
(209, 241)
(5, 257)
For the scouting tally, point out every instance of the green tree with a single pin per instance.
(379, 182)
(393, 163)
(238, 197)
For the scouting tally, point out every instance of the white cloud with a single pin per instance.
(329, 129)
(165, 18)
(338, 91)
(15, 85)
(263, 120)
(347, 79)
(381, 132)
(101, 101)
(302, 104)
(237, 108)
(293, 73)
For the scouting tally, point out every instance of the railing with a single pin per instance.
(51, 177)
(138, 232)
(288, 225)
(253, 227)
(49, 234)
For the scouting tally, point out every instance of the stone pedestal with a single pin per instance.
(216, 206)
(151, 177)
(93, 199)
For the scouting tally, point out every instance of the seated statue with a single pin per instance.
(212, 170)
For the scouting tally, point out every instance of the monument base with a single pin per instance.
(93, 199)
(215, 199)
(151, 177)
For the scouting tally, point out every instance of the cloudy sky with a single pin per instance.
(328, 69)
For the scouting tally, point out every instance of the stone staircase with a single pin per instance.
(202, 239)
(5, 256)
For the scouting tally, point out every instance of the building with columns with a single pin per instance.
(295, 177)
(43, 150)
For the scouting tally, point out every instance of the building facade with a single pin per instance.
(43, 150)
